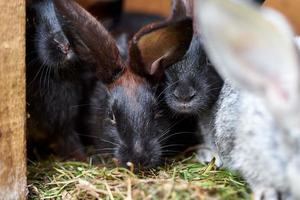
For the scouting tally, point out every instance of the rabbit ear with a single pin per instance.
(159, 45)
(297, 40)
(251, 50)
(107, 11)
(94, 44)
(181, 8)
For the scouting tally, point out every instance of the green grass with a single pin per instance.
(185, 179)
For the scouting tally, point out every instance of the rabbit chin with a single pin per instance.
(190, 107)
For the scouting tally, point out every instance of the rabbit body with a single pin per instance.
(249, 140)
(257, 114)
(51, 95)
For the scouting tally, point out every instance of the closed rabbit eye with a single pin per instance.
(207, 61)
(158, 115)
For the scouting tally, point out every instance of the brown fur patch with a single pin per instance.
(129, 81)
(165, 42)
(98, 46)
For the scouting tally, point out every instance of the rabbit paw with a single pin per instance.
(206, 155)
(265, 193)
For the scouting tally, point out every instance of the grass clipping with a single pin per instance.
(185, 179)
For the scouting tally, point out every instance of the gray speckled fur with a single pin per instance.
(208, 149)
(249, 140)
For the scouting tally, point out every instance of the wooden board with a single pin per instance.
(161, 7)
(12, 100)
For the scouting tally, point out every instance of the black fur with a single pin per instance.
(131, 128)
(53, 85)
(192, 85)
(136, 130)
(61, 72)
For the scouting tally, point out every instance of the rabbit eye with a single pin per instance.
(207, 61)
(158, 115)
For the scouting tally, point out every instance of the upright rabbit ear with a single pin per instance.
(159, 45)
(181, 8)
(97, 46)
(252, 51)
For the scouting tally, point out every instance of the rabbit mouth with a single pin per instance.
(184, 107)
(70, 55)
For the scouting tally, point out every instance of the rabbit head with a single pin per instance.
(66, 32)
(53, 46)
(191, 84)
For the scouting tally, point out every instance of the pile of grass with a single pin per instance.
(185, 179)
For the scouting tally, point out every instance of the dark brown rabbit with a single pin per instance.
(134, 129)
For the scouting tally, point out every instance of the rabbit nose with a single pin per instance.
(62, 43)
(185, 94)
(64, 47)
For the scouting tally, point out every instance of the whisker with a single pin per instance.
(172, 145)
(84, 105)
(169, 136)
(101, 154)
(89, 136)
(106, 149)
(162, 92)
(41, 79)
(110, 142)
(170, 151)
(49, 77)
(169, 128)
(36, 75)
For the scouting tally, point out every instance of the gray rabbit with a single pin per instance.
(257, 117)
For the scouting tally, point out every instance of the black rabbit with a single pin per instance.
(65, 52)
(191, 85)
(134, 129)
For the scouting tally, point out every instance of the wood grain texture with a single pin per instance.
(12, 100)
(161, 7)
